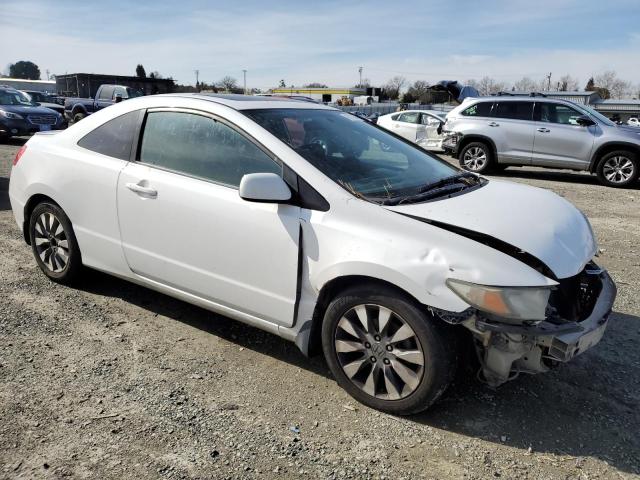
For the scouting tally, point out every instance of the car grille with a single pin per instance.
(42, 119)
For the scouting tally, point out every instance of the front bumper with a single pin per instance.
(10, 127)
(510, 349)
(450, 142)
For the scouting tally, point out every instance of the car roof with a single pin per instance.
(251, 102)
(518, 98)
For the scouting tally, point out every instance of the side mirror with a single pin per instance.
(117, 98)
(264, 188)
(585, 121)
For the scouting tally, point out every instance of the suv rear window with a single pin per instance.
(514, 110)
(481, 109)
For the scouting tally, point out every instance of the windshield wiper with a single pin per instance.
(444, 186)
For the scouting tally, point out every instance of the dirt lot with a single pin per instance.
(115, 381)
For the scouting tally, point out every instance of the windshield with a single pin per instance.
(14, 98)
(597, 115)
(361, 157)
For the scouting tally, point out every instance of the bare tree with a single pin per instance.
(488, 85)
(609, 80)
(315, 85)
(366, 83)
(393, 86)
(227, 83)
(568, 84)
(526, 84)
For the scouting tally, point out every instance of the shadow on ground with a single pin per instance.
(4, 194)
(586, 409)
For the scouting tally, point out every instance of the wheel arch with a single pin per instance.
(473, 137)
(611, 147)
(31, 204)
(313, 344)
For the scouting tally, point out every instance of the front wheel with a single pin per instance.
(618, 169)
(476, 157)
(78, 116)
(54, 243)
(385, 351)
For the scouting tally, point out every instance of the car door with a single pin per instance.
(407, 125)
(184, 225)
(512, 130)
(559, 140)
(104, 97)
(427, 134)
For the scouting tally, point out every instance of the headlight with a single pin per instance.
(13, 116)
(517, 303)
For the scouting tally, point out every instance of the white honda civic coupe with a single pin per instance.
(322, 228)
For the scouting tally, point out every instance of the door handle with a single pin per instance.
(142, 190)
(494, 124)
(544, 130)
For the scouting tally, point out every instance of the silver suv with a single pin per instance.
(490, 133)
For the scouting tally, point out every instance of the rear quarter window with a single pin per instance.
(114, 138)
(480, 109)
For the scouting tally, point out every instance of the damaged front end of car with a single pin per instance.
(512, 335)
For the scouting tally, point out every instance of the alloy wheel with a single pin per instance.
(474, 158)
(51, 242)
(618, 169)
(379, 352)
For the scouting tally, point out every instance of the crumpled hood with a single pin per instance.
(534, 220)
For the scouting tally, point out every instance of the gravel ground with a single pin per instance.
(116, 381)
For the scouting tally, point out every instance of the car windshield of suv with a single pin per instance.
(363, 158)
(15, 98)
(597, 115)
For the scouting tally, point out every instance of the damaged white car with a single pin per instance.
(322, 228)
(420, 126)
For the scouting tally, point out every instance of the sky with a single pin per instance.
(325, 41)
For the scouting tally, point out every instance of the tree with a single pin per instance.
(393, 86)
(616, 87)
(366, 83)
(568, 84)
(488, 85)
(140, 71)
(591, 85)
(282, 84)
(418, 92)
(315, 85)
(24, 69)
(228, 83)
(525, 84)
(155, 74)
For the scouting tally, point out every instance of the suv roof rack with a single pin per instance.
(502, 94)
(537, 94)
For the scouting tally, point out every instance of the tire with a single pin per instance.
(78, 116)
(399, 387)
(618, 169)
(54, 243)
(477, 157)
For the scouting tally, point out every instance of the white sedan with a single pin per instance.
(423, 127)
(322, 228)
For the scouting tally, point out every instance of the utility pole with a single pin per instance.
(244, 74)
(47, 74)
(549, 82)
(360, 72)
(197, 72)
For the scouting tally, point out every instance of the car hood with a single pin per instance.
(629, 130)
(26, 110)
(535, 221)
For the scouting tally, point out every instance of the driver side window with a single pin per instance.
(409, 117)
(556, 113)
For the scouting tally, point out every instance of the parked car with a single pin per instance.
(44, 100)
(633, 121)
(292, 217)
(20, 116)
(75, 109)
(419, 126)
(490, 133)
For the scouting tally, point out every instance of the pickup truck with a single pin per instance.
(75, 109)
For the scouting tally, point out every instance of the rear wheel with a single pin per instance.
(476, 157)
(618, 169)
(385, 351)
(54, 243)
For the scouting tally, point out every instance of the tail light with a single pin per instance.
(19, 154)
